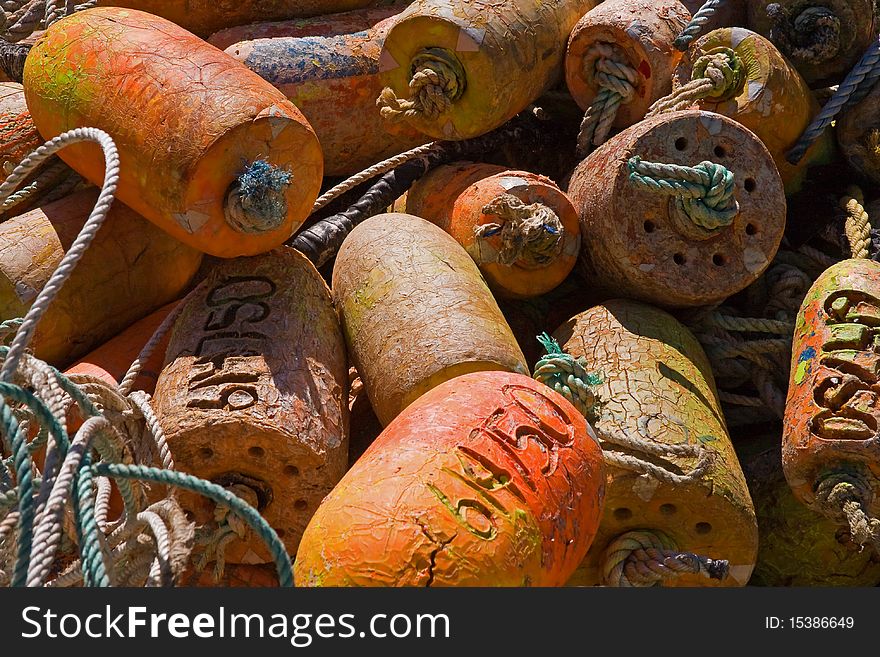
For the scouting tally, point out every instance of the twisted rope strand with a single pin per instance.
(845, 499)
(617, 85)
(717, 75)
(531, 233)
(433, 88)
(695, 27)
(857, 226)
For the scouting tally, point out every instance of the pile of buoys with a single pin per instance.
(440, 293)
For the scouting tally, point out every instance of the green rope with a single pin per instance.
(25, 479)
(567, 376)
(220, 496)
(703, 192)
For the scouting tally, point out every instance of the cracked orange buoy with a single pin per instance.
(206, 16)
(253, 395)
(858, 134)
(131, 269)
(456, 69)
(223, 162)
(619, 61)
(740, 74)
(18, 134)
(675, 488)
(830, 450)
(824, 39)
(519, 227)
(490, 479)
(689, 234)
(334, 81)
(416, 312)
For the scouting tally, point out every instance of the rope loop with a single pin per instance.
(704, 193)
(567, 376)
(644, 558)
(845, 498)
(532, 234)
(617, 80)
(437, 81)
(717, 75)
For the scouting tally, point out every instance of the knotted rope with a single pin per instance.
(857, 227)
(567, 376)
(812, 37)
(857, 83)
(845, 499)
(437, 81)
(532, 234)
(695, 27)
(703, 193)
(617, 85)
(257, 199)
(718, 75)
(644, 558)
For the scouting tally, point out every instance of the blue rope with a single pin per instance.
(24, 477)
(854, 87)
(693, 29)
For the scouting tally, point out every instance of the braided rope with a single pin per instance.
(857, 226)
(617, 85)
(530, 233)
(567, 376)
(704, 193)
(718, 75)
(695, 27)
(844, 499)
(644, 558)
(858, 81)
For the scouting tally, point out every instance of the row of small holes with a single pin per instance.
(681, 144)
(256, 452)
(624, 513)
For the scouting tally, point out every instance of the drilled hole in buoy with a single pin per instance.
(300, 505)
(751, 229)
(668, 509)
(291, 471)
(703, 528)
(623, 513)
(256, 452)
(750, 185)
(720, 151)
(718, 260)
(280, 533)
(190, 516)
(679, 259)
(681, 143)
(206, 452)
(649, 226)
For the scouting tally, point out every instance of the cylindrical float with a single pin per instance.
(415, 311)
(689, 234)
(822, 38)
(131, 269)
(220, 160)
(654, 383)
(112, 359)
(457, 69)
(334, 81)
(204, 17)
(18, 134)
(253, 395)
(858, 134)
(491, 479)
(761, 90)
(798, 547)
(622, 49)
(830, 450)
(519, 227)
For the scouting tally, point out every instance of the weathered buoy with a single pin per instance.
(131, 269)
(253, 394)
(858, 134)
(680, 210)
(519, 227)
(830, 450)
(620, 60)
(334, 81)
(18, 134)
(822, 38)
(416, 312)
(740, 74)
(456, 69)
(674, 483)
(490, 479)
(223, 162)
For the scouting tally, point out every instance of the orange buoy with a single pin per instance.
(648, 235)
(253, 394)
(490, 479)
(830, 451)
(519, 227)
(18, 134)
(223, 162)
(456, 69)
(416, 312)
(674, 483)
(130, 270)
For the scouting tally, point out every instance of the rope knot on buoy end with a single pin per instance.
(845, 498)
(567, 376)
(812, 36)
(257, 199)
(717, 76)
(437, 81)
(530, 233)
(617, 80)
